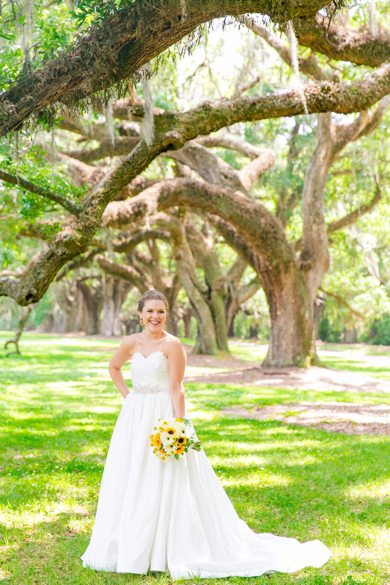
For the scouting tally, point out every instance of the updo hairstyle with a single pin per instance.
(152, 295)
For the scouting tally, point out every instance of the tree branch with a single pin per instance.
(348, 219)
(172, 132)
(344, 43)
(79, 262)
(122, 145)
(343, 302)
(308, 66)
(352, 217)
(73, 208)
(121, 44)
(121, 271)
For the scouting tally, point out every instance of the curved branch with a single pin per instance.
(260, 230)
(252, 172)
(127, 242)
(231, 143)
(121, 271)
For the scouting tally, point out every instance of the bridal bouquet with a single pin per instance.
(173, 437)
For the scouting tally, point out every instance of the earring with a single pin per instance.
(141, 322)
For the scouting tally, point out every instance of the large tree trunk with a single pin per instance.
(187, 323)
(219, 318)
(81, 321)
(64, 319)
(115, 291)
(291, 341)
(206, 341)
(94, 302)
(202, 247)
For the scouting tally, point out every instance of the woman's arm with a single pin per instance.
(177, 360)
(120, 357)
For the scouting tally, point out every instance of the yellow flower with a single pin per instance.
(157, 440)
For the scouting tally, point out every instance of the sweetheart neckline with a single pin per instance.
(148, 356)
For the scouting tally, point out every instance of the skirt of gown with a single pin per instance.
(174, 515)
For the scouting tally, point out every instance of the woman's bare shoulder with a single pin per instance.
(174, 346)
(131, 341)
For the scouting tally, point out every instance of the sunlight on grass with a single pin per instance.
(58, 410)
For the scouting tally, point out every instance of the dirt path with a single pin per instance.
(335, 417)
(315, 378)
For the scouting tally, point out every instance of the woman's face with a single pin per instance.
(154, 315)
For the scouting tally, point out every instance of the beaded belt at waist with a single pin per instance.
(148, 388)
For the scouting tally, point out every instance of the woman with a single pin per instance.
(172, 515)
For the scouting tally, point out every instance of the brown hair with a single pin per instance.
(152, 295)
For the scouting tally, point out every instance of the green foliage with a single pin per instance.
(330, 329)
(88, 11)
(379, 331)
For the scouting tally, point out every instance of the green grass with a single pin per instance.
(58, 409)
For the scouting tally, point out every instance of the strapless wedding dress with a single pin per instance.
(174, 515)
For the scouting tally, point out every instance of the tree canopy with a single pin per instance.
(130, 147)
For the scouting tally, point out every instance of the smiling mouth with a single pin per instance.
(154, 322)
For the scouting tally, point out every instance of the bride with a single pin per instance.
(172, 515)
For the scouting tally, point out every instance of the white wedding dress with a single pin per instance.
(174, 515)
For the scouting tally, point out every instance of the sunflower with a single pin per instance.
(157, 440)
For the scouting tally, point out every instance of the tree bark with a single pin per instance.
(202, 248)
(344, 43)
(94, 302)
(115, 291)
(187, 323)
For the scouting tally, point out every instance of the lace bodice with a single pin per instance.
(150, 374)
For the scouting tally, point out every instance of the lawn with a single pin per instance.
(58, 410)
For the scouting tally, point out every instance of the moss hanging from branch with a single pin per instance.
(373, 18)
(148, 122)
(295, 63)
